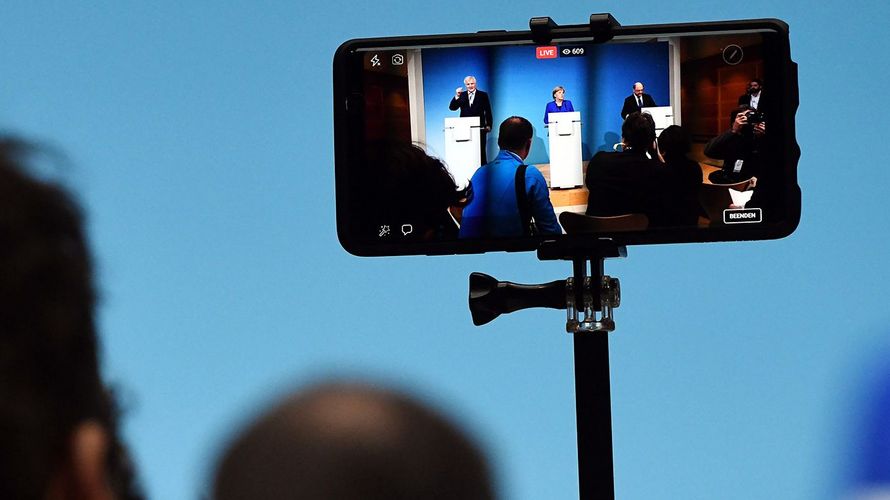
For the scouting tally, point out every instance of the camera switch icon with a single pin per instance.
(398, 60)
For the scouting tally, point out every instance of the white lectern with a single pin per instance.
(565, 149)
(462, 148)
(663, 116)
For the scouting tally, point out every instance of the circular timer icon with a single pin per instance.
(733, 54)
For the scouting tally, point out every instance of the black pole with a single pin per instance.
(593, 403)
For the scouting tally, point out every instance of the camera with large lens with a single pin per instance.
(755, 117)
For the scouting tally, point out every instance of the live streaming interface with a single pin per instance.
(508, 141)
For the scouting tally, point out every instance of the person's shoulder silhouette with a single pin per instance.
(57, 418)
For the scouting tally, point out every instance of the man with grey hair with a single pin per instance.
(637, 101)
(474, 102)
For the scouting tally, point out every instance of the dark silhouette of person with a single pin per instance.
(349, 441)
(628, 182)
(58, 421)
(683, 176)
(406, 195)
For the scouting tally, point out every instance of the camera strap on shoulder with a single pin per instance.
(525, 217)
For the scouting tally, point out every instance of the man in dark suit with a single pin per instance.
(628, 182)
(637, 101)
(474, 102)
(753, 95)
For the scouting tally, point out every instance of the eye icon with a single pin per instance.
(566, 52)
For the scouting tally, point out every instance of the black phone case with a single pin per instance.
(348, 128)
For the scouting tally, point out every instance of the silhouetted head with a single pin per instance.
(515, 134)
(351, 442)
(638, 131)
(404, 185)
(674, 142)
(57, 420)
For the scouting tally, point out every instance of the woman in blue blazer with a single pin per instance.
(559, 104)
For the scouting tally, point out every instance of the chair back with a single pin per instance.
(575, 223)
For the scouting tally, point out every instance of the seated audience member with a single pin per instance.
(351, 442)
(628, 182)
(504, 200)
(57, 418)
(405, 186)
(739, 148)
(684, 177)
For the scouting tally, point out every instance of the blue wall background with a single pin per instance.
(200, 142)
(520, 84)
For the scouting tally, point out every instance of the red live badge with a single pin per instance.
(548, 52)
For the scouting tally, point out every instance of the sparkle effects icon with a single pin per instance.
(384, 231)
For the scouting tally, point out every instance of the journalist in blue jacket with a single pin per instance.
(494, 210)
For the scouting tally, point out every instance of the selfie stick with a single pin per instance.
(593, 296)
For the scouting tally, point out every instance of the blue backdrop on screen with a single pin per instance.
(613, 71)
(520, 84)
(524, 85)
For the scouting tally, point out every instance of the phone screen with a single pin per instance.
(465, 146)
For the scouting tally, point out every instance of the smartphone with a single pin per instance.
(490, 141)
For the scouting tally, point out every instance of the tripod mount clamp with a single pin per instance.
(600, 26)
(609, 298)
(589, 299)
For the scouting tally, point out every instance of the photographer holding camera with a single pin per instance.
(739, 147)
